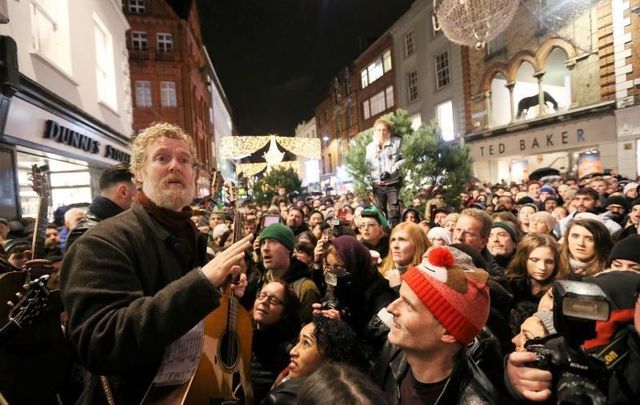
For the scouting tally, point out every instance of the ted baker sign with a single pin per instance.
(549, 139)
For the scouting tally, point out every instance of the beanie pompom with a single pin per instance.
(441, 257)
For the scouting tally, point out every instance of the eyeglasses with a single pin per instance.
(271, 299)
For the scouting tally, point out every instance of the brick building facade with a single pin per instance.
(169, 73)
(544, 96)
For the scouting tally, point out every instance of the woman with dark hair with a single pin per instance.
(534, 267)
(356, 289)
(585, 249)
(306, 237)
(411, 215)
(275, 327)
(320, 341)
(336, 383)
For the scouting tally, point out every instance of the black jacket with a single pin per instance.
(270, 355)
(100, 209)
(467, 383)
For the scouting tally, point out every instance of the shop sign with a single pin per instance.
(544, 140)
(35, 126)
(67, 136)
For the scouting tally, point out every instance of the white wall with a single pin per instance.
(418, 19)
(308, 169)
(78, 85)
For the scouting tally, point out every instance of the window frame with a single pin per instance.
(136, 6)
(51, 43)
(139, 85)
(409, 48)
(444, 71)
(162, 40)
(140, 38)
(105, 66)
(168, 94)
(413, 86)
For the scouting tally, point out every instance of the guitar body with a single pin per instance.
(225, 363)
(34, 358)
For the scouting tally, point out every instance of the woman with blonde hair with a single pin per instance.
(534, 267)
(407, 244)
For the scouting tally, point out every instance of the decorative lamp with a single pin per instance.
(473, 22)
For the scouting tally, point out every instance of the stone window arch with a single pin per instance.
(556, 81)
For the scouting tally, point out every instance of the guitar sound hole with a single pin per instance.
(229, 350)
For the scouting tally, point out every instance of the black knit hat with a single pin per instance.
(634, 203)
(627, 249)
(618, 200)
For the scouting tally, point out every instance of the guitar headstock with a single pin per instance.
(217, 182)
(31, 303)
(39, 177)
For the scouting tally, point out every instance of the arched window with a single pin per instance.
(525, 92)
(500, 101)
(556, 82)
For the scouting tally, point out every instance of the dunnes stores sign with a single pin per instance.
(64, 135)
(544, 140)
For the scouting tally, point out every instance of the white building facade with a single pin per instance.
(428, 72)
(220, 115)
(308, 169)
(71, 108)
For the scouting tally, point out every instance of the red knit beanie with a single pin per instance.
(457, 298)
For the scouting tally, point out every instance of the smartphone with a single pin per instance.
(270, 219)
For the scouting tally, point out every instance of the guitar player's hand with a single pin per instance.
(217, 269)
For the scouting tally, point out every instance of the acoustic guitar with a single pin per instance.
(34, 360)
(222, 375)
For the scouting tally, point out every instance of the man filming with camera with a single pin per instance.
(592, 364)
(383, 158)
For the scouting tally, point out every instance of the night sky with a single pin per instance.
(275, 58)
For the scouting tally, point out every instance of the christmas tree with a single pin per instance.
(431, 164)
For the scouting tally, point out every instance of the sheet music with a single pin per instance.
(181, 358)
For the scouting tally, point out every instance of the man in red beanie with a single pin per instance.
(441, 308)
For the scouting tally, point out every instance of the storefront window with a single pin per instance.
(70, 181)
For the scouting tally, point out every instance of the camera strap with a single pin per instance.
(614, 352)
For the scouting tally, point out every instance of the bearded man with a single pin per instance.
(138, 281)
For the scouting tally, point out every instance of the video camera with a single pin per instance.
(580, 377)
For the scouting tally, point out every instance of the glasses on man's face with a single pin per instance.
(271, 299)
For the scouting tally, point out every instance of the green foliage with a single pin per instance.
(267, 187)
(357, 164)
(430, 162)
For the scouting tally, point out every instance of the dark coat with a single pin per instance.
(468, 384)
(100, 209)
(129, 293)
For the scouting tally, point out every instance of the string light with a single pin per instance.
(237, 147)
(251, 169)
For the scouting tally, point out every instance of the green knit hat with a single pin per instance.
(507, 228)
(279, 232)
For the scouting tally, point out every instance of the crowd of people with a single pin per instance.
(436, 303)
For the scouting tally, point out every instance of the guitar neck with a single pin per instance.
(37, 244)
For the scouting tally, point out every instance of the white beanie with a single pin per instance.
(439, 233)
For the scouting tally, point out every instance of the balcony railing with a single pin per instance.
(165, 55)
(139, 54)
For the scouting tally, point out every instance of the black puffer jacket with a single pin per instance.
(467, 384)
